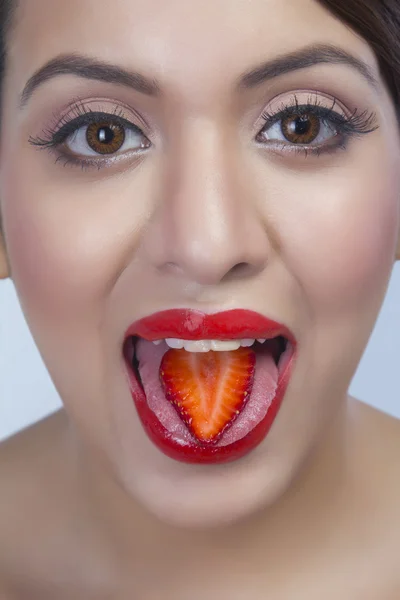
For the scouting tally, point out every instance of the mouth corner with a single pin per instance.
(131, 360)
(128, 348)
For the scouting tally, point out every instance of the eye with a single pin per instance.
(302, 128)
(105, 137)
(92, 137)
(313, 128)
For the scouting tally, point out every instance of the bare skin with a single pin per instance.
(329, 537)
(209, 216)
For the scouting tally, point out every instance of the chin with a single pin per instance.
(203, 496)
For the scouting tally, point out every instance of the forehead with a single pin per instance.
(199, 43)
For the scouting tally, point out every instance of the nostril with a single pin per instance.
(241, 269)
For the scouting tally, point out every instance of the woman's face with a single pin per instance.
(205, 205)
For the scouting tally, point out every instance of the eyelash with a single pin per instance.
(347, 127)
(82, 116)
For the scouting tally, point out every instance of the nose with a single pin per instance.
(206, 226)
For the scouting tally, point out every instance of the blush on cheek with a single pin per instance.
(29, 272)
(62, 251)
(38, 272)
(58, 295)
(348, 250)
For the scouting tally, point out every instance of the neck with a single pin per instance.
(318, 490)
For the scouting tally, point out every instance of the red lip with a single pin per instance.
(193, 325)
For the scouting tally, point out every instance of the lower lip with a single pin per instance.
(193, 453)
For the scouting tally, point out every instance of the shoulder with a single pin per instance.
(379, 435)
(28, 462)
(378, 447)
(27, 457)
(378, 444)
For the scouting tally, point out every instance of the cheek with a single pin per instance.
(52, 263)
(346, 248)
(66, 244)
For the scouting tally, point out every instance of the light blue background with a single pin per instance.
(27, 393)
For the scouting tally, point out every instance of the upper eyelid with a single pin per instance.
(348, 121)
(84, 117)
(298, 99)
(300, 108)
(322, 112)
(65, 126)
(96, 115)
(80, 107)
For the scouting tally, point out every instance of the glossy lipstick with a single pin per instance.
(195, 325)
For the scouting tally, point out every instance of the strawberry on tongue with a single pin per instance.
(164, 393)
(209, 390)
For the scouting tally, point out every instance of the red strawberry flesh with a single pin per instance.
(208, 390)
(149, 357)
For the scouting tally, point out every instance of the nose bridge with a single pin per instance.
(203, 209)
(207, 226)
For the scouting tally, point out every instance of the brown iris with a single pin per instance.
(301, 129)
(105, 138)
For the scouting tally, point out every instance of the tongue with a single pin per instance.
(263, 391)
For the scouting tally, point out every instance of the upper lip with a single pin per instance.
(191, 324)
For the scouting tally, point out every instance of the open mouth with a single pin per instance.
(208, 400)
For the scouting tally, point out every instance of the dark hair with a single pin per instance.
(377, 21)
(7, 9)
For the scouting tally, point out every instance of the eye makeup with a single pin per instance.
(99, 131)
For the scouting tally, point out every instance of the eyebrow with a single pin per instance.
(93, 69)
(88, 68)
(306, 57)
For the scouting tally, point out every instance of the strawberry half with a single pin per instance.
(209, 390)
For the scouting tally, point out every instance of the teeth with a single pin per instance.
(174, 343)
(227, 345)
(247, 343)
(197, 345)
(207, 345)
(215, 345)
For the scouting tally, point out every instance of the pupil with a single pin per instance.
(301, 125)
(105, 135)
